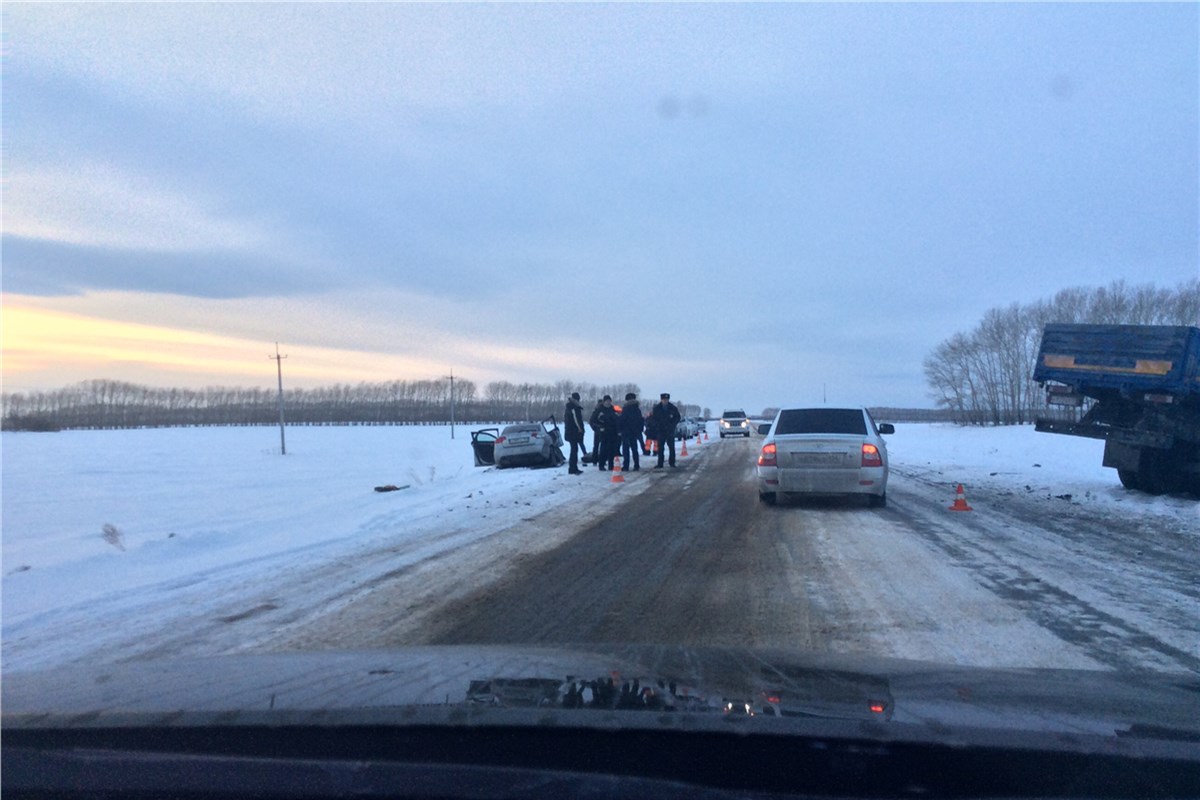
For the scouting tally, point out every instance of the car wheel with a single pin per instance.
(767, 497)
(877, 500)
(747, 434)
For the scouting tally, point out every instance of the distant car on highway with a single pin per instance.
(686, 428)
(734, 422)
(530, 444)
(824, 451)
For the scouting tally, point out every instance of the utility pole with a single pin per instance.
(278, 359)
(451, 377)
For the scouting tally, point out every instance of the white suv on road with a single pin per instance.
(735, 423)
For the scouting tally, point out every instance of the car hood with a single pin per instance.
(615, 687)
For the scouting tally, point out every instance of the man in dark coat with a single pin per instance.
(610, 437)
(631, 424)
(594, 422)
(666, 417)
(651, 434)
(607, 440)
(573, 431)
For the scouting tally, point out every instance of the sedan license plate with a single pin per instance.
(817, 459)
(523, 440)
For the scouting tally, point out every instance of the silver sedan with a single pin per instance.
(530, 444)
(824, 451)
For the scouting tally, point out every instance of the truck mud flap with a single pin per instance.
(1121, 456)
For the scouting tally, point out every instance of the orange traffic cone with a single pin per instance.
(706, 434)
(683, 452)
(617, 477)
(697, 438)
(960, 501)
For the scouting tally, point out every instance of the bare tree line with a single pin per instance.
(984, 377)
(103, 403)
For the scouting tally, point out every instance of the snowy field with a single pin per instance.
(105, 529)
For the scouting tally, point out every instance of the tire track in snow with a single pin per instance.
(993, 543)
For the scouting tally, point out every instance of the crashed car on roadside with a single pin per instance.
(530, 444)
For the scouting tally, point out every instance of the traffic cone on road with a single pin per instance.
(960, 501)
(683, 452)
(617, 477)
(706, 434)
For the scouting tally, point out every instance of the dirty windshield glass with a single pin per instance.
(278, 277)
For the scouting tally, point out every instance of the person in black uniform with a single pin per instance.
(665, 417)
(573, 431)
(594, 422)
(631, 424)
(610, 434)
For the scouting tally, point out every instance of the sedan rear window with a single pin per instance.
(822, 420)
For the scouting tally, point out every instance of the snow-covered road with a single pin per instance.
(223, 546)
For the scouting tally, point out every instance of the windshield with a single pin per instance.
(277, 276)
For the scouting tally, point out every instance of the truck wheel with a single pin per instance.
(1129, 479)
(1155, 476)
(767, 497)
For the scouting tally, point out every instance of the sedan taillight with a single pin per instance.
(871, 456)
(767, 458)
(499, 439)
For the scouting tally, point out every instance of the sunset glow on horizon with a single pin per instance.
(45, 349)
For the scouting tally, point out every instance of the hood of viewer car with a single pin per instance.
(595, 685)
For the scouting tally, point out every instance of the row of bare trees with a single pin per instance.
(116, 404)
(984, 377)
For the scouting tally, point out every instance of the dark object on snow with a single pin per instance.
(483, 442)
(391, 487)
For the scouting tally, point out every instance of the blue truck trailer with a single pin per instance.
(1138, 388)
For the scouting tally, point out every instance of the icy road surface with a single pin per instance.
(126, 545)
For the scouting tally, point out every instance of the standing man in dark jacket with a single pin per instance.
(597, 430)
(666, 417)
(605, 439)
(573, 431)
(631, 425)
(610, 434)
(651, 433)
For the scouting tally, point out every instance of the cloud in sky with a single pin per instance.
(96, 205)
(725, 198)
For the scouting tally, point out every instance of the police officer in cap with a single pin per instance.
(665, 417)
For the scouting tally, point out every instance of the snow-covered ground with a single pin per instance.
(135, 529)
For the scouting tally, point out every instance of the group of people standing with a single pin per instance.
(623, 433)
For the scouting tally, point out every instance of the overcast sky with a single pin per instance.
(744, 205)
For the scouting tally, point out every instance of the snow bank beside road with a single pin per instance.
(1021, 461)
